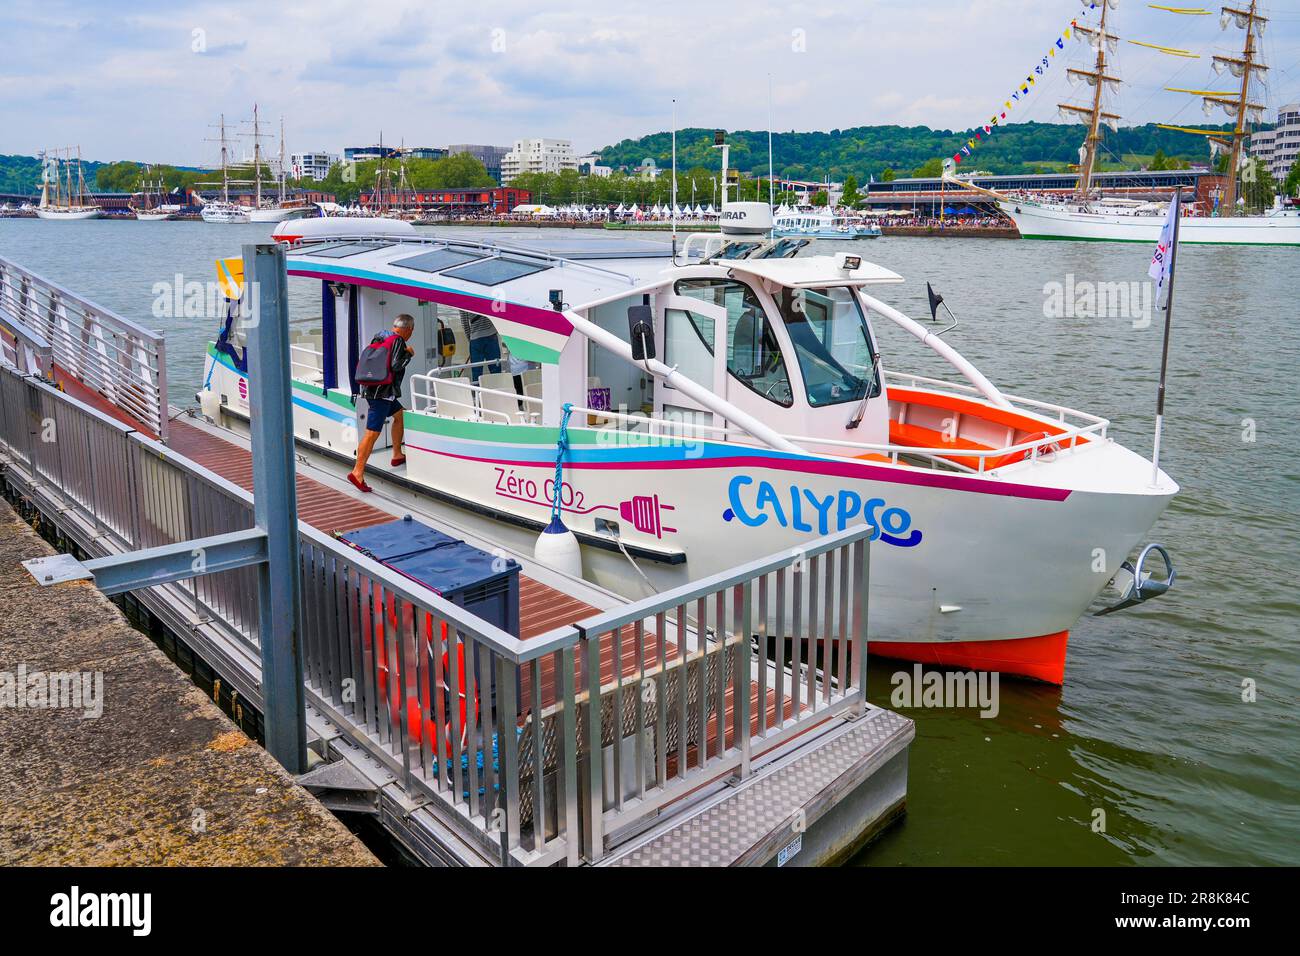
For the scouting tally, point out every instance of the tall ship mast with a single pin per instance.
(1090, 216)
(1238, 107)
(281, 209)
(1098, 79)
(223, 211)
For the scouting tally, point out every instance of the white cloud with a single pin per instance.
(130, 85)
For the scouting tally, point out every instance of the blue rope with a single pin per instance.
(561, 448)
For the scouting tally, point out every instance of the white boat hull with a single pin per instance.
(57, 215)
(152, 216)
(1059, 222)
(277, 214)
(968, 571)
(862, 233)
(210, 214)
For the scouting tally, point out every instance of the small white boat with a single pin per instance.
(820, 224)
(764, 417)
(223, 212)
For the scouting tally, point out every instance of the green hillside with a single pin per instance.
(870, 150)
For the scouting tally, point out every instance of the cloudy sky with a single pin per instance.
(143, 79)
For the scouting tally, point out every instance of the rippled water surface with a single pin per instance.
(1150, 728)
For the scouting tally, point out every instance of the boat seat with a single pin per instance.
(454, 399)
(502, 404)
(917, 436)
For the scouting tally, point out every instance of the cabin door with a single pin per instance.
(694, 337)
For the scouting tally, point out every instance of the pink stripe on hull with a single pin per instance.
(806, 466)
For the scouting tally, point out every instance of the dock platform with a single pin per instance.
(159, 776)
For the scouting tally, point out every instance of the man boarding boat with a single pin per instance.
(384, 362)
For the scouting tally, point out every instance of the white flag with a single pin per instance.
(1165, 245)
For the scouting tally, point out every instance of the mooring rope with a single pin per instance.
(561, 447)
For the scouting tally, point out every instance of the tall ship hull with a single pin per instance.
(65, 215)
(1039, 221)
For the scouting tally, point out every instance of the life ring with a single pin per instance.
(1024, 455)
(417, 726)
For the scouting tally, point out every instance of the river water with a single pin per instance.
(1149, 753)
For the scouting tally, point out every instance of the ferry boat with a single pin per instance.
(765, 415)
(820, 224)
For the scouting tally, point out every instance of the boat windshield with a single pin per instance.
(831, 342)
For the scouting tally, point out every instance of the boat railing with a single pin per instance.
(529, 412)
(534, 751)
(109, 355)
(425, 400)
(1062, 413)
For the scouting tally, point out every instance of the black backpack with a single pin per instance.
(375, 366)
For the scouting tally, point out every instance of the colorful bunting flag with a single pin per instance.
(1023, 88)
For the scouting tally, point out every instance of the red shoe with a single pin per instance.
(358, 483)
(399, 462)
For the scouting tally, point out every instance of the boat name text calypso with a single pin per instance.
(891, 524)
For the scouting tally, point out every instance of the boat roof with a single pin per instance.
(814, 271)
(512, 279)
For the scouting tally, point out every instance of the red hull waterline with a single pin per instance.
(1041, 658)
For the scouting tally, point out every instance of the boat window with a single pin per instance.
(348, 249)
(438, 260)
(497, 270)
(688, 345)
(753, 353)
(831, 342)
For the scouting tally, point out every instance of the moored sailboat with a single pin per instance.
(61, 200)
(1090, 217)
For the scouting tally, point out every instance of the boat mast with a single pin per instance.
(81, 181)
(1089, 164)
(281, 160)
(225, 180)
(257, 162)
(1242, 102)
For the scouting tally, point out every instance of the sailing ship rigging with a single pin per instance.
(1091, 216)
(61, 200)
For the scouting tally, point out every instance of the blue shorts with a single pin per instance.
(381, 409)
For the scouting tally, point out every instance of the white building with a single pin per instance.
(311, 165)
(590, 165)
(1278, 148)
(537, 156)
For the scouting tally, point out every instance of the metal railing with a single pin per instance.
(1073, 425)
(697, 682)
(108, 354)
(538, 751)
